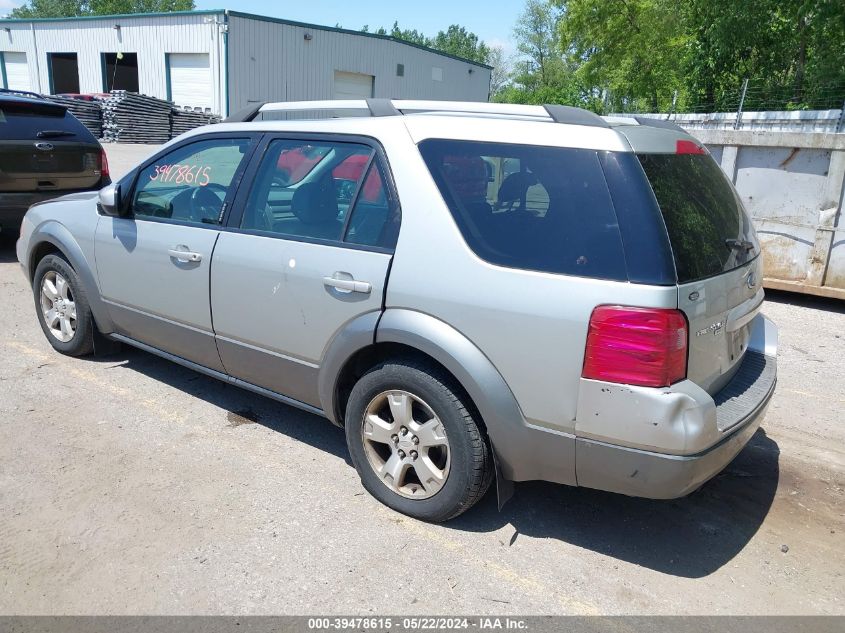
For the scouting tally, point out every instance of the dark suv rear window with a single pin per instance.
(708, 228)
(535, 208)
(24, 120)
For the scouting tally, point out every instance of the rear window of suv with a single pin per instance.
(708, 228)
(31, 120)
(535, 208)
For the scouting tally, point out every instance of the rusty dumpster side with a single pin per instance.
(792, 185)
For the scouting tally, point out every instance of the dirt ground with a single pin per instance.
(129, 485)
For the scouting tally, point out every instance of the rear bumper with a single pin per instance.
(700, 435)
(642, 473)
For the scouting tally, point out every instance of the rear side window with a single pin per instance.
(708, 228)
(335, 193)
(535, 208)
(31, 120)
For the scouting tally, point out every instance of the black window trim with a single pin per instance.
(252, 137)
(236, 209)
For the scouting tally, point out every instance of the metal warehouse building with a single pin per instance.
(225, 60)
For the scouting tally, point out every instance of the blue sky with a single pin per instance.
(492, 20)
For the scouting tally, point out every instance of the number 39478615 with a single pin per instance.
(182, 174)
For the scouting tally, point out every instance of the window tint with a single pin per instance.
(190, 183)
(530, 207)
(39, 121)
(374, 221)
(708, 228)
(295, 199)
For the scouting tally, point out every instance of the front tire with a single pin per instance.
(62, 307)
(414, 441)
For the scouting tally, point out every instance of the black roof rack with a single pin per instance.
(390, 107)
(22, 93)
(244, 115)
(574, 116)
(662, 123)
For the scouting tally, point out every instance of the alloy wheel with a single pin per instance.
(58, 306)
(406, 445)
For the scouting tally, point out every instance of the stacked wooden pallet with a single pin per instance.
(129, 117)
(186, 118)
(84, 108)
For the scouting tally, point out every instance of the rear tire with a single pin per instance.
(62, 307)
(414, 441)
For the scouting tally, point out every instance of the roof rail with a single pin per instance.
(396, 107)
(650, 122)
(574, 116)
(246, 114)
(382, 107)
(22, 93)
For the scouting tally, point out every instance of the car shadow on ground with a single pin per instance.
(690, 537)
(7, 247)
(241, 406)
(826, 304)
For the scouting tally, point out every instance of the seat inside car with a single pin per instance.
(315, 204)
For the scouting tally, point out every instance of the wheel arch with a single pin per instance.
(403, 331)
(53, 237)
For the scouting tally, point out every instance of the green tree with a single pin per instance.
(50, 9)
(631, 49)
(536, 34)
(791, 51)
(408, 35)
(73, 8)
(500, 75)
(456, 40)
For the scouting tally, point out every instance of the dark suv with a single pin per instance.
(45, 152)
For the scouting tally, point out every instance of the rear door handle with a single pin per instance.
(349, 285)
(184, 255)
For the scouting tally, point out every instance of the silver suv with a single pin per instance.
(474, 291)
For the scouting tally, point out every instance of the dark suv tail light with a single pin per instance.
(104, 166)
(636, 346)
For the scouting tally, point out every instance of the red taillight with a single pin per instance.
(104, 165)
(688, 147)
(636, 346)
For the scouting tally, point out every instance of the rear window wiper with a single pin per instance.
(54, 133)
(739, 245)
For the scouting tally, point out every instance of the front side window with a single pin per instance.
(530, 207)
(320, 190)
(190, 183)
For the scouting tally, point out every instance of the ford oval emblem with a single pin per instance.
(693, 296)
(44, 147)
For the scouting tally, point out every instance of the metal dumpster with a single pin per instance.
(792, 185)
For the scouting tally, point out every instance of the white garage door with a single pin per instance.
(190, 79)
(352, 85)
(17, 71)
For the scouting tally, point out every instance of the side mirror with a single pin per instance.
(109, 200)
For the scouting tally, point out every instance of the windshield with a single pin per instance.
(708, 228)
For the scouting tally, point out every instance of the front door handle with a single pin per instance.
(348, 285)
(184, 255)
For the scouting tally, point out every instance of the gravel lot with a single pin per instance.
(129, 485)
